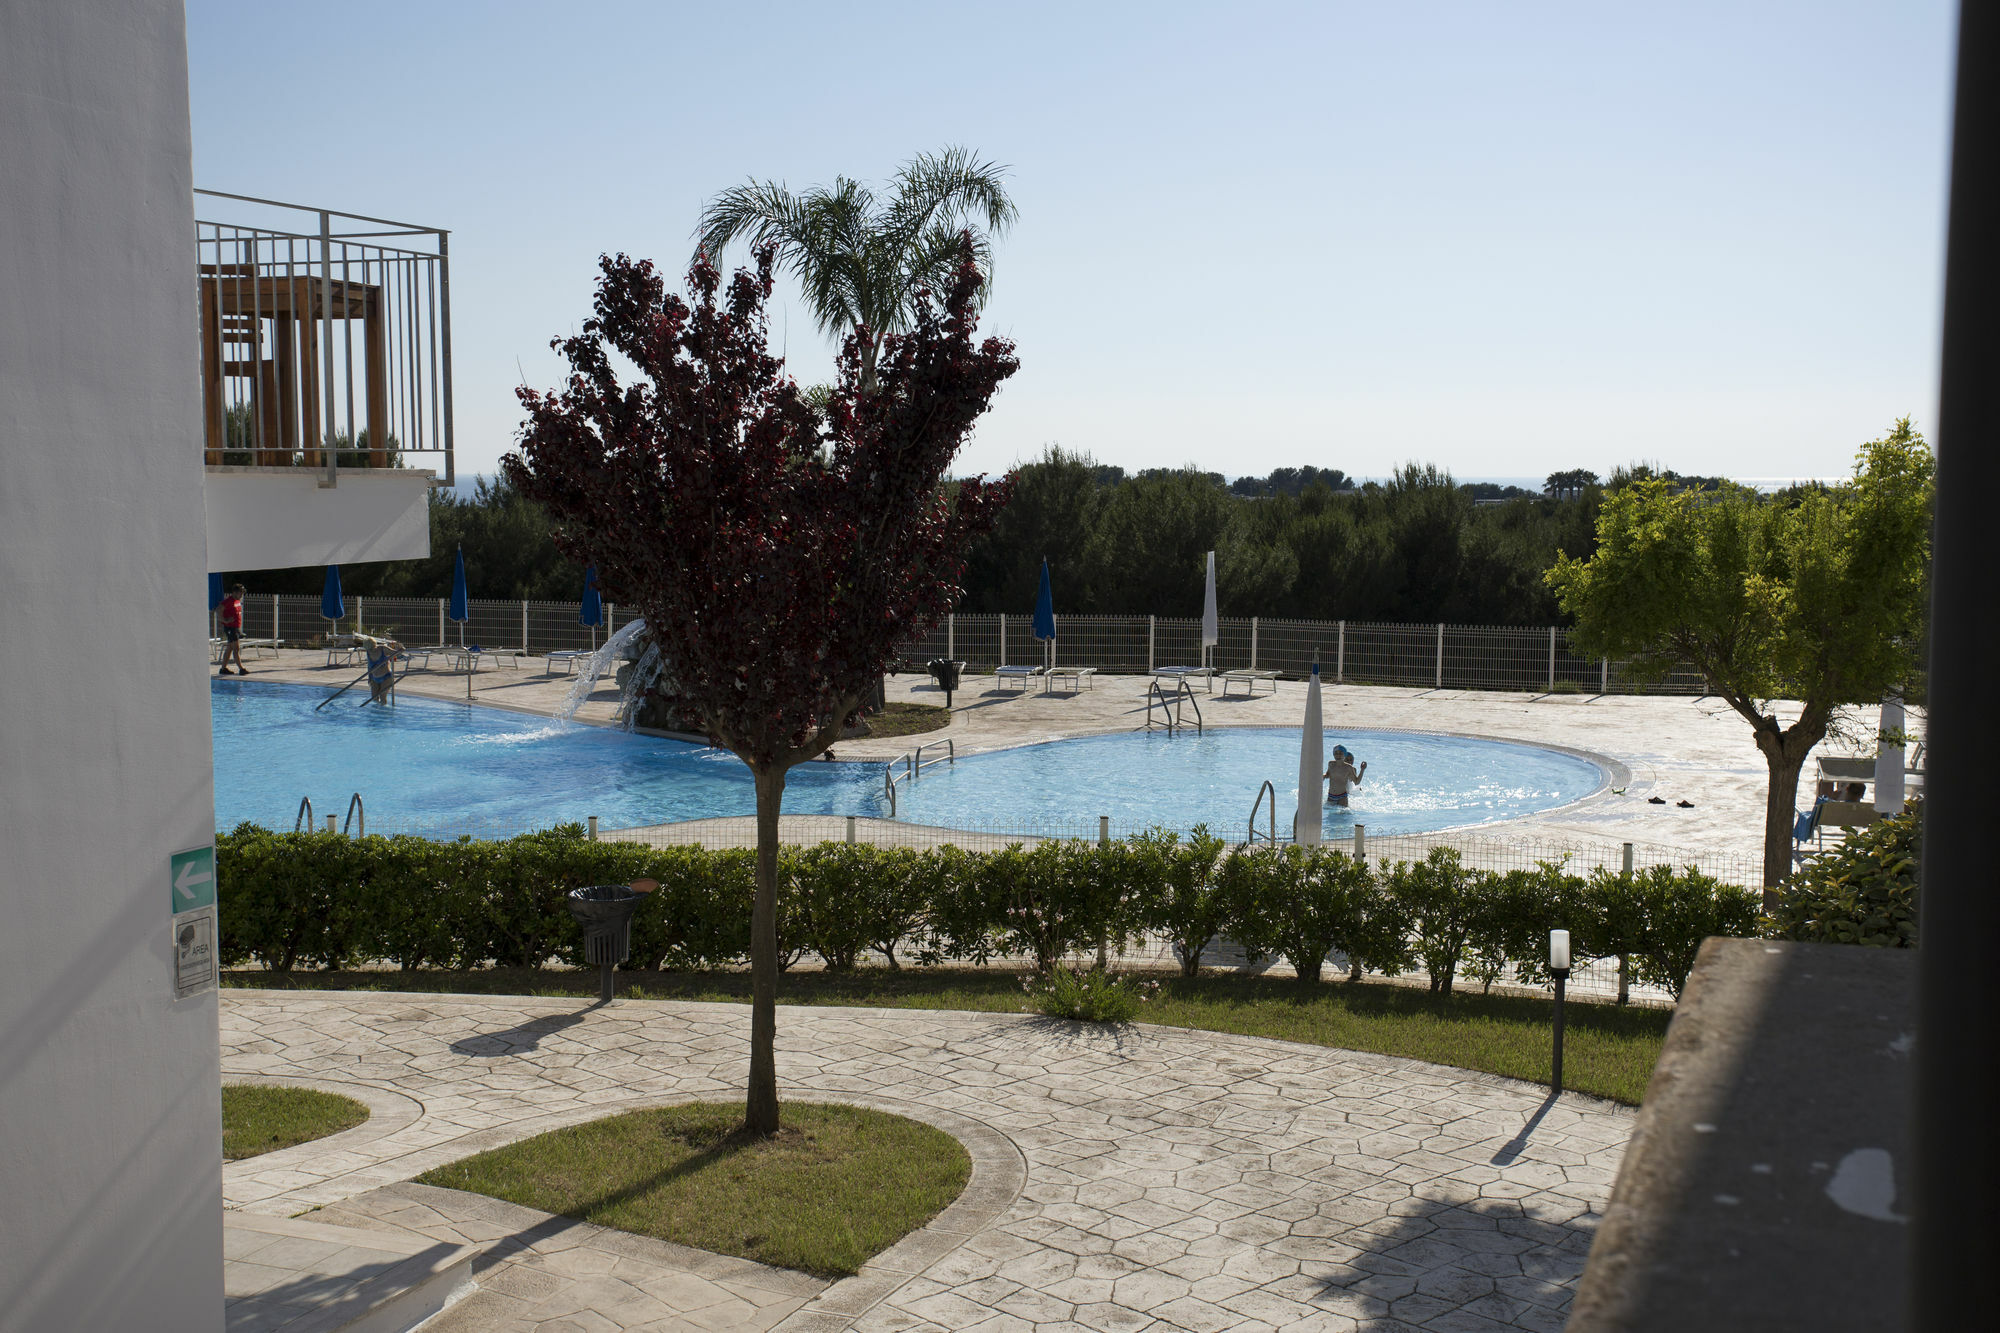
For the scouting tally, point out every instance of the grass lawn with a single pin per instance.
(257, 1120)
(907, 719)
(1607, 1051)
(836, 1186)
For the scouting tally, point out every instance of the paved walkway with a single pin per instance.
(1124, 1179)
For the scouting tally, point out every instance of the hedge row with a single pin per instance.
(325, 900)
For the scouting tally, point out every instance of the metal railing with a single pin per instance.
(325, 338)
(1271, 814)
(1524, 659)
(1169, 704)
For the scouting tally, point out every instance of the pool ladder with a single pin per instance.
(913, 767)
(357, 817)
(1170, 704)
(1270, 813)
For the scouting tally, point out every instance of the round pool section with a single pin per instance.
(440, 766)
(1416, 782)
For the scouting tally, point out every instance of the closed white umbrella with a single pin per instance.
(1312, 766)
(1211, 629)
(1889, 758)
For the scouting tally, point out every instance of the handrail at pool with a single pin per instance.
(1170, 708)
(1271, 814)
(354, 810)
(305, 819)
(916, 759)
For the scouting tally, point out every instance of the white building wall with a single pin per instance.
(281, 518)
(110, 1145)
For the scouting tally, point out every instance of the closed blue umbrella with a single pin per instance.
(591, 610)
(214, 591)
(458, 611)
(331, 605)
(1045, 615)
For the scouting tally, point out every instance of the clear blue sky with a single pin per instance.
(1502, 238)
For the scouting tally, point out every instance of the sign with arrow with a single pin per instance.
(192, 875)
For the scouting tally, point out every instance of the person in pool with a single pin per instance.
(1342, 774)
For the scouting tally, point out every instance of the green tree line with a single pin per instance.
(1302, 543)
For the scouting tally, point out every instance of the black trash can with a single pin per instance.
(945, 672)
(605, 913)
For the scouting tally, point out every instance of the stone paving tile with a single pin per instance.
(1124, 1179)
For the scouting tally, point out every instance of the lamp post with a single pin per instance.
(1559, 969)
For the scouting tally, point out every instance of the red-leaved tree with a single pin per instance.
(780, 560)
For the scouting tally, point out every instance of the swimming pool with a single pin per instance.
(441, 765)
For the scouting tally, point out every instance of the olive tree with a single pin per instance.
(1816, 598)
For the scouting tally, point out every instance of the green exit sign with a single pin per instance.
(192, 875)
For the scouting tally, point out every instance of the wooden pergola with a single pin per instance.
(285, 393)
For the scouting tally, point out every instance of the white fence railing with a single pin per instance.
(1536, 659)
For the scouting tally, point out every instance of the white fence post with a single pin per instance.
(1003, 638)
(358, 621)
(1625, 858)
(440, 620)
(1340, 656)
(1440, 662)
(1552, 659)
(1253, 643)
(593, 828)
(1149, 643)
(951, 637)
(524, 624)
(610, 618)
(850, 828)
(1604, 675)
(274, 617)
(1360, 842)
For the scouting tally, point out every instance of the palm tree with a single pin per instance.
(861, 263)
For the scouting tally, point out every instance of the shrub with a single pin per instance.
(1057, 898)
(1176, 885)
(1441, 904)
(1093, 995)
(1683, 908)
(1299, 903)
(851, 897)
(1861, 892)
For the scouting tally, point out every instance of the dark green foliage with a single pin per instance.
(1861, 892)
(1303, 543)
(1441, 904)
(325, 901)
(1302, 903)
(1178, 891)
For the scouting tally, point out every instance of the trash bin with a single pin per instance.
(605, 913)
(945, 672)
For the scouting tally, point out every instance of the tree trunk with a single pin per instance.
(1785, 753)
(760, 1114)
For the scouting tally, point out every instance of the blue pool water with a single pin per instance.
(443, 765)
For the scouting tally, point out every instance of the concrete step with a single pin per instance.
(295, 1275)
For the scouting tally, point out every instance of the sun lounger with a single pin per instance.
(1078, 678)
(270, 646)
(1024, 674)
(341, 650)
(1248, 679)
(568, 657)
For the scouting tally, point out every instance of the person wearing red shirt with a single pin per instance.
(232, 630)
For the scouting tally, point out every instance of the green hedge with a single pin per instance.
(1863, 891)
(325, 900)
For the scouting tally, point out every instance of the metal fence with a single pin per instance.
(1353, 652)
(1534, 659)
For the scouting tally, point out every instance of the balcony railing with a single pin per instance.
(325, 338)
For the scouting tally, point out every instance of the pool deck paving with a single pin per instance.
(1671, 747)
(1124, 1178)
